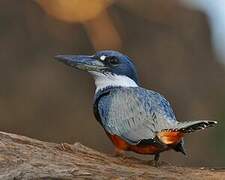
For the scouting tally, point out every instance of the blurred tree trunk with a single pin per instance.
(25, 158)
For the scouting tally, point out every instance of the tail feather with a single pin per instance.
(174, 135)
(191, 126)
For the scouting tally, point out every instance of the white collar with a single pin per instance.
(113, 80)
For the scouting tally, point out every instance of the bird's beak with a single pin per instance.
(83, 62)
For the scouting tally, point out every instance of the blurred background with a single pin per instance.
(177, 45)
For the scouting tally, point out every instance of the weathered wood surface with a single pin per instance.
(25, 158)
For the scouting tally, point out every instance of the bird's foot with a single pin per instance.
(155, 161)
(119, 153)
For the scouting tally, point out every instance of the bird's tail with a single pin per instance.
(175, 135)
(191, 126)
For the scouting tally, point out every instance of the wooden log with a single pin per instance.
(25, 158)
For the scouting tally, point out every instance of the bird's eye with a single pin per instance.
(113, 60)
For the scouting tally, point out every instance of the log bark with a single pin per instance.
(25, 158)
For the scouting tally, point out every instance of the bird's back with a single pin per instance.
(133, 113)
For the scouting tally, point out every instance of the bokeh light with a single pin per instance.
(74, 10)
(90, 13)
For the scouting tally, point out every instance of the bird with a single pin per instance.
(134, 118)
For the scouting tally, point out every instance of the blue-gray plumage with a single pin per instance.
(134, 113)
(135, 119)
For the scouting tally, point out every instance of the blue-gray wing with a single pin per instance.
(135, 114)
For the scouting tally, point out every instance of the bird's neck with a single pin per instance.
(103, 81)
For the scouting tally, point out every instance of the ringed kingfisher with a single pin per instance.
(134, 118)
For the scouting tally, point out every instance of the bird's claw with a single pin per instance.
(119, 153)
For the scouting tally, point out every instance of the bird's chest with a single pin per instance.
(113, 105)
(101, 106)
(140, 149)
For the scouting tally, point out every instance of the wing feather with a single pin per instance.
(135, 114)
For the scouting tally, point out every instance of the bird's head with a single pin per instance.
(109, 68)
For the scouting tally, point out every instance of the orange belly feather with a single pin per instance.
(168, 138)
(123, 145)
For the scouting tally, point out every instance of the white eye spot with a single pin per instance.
(103, 58)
